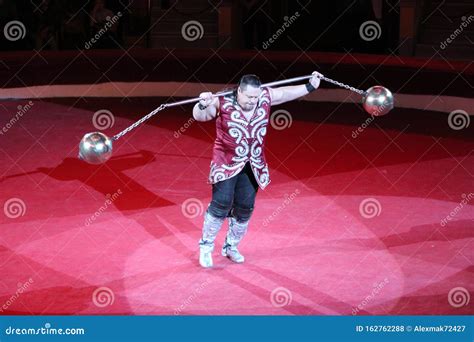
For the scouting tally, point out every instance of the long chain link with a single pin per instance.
(342, 85)
(163, 106)
(139, 122)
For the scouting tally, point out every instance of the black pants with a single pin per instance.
(235, 196)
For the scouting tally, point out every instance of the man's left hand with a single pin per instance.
(316, 79)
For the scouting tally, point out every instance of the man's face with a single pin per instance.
(247, 97)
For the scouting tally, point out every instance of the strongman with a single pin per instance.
(238, 166)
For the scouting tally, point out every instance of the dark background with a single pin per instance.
(68, 21)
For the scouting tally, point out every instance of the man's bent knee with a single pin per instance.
(219, 209)
(242, 214)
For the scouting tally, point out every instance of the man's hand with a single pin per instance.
(316, 79)
(206, 108)
(289, 93)
(206, 99)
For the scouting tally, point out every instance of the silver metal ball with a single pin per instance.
(378, 101)
(95, 148)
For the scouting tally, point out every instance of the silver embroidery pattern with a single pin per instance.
(243, 132)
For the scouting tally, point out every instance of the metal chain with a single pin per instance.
(139, 122)
(342, 85)
(164, 105)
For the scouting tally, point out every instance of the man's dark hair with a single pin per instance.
(245, 80)
(251, 80)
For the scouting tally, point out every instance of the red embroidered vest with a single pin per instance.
(239, 140)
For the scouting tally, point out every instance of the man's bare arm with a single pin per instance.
(290, 93)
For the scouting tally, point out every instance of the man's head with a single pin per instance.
(248, 92)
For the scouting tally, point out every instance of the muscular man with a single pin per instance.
(238, 166)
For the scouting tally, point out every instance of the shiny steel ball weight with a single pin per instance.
(96, 147)
(378, 101)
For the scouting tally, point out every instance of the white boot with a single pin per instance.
(235, 234)
(210, 228)
(205, 256)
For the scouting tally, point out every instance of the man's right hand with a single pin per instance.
(207, 107)
(206, 99)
